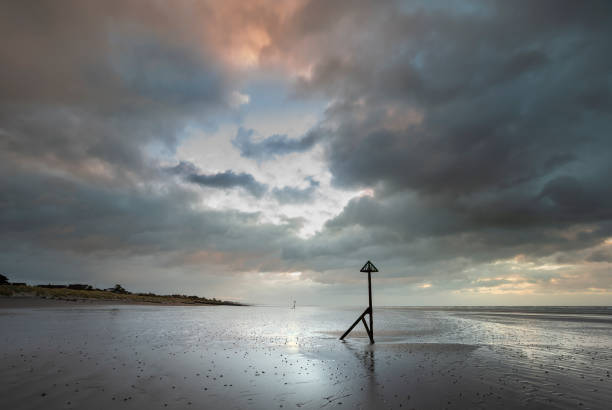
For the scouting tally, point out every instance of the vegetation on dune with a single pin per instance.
(118, 294)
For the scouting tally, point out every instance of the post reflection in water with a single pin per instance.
(366, 355)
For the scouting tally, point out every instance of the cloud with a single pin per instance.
(221, 180)
(499, 108)
(274, 145)
(480, 142)
(472, 134)
(229, 179)
(94, 96)
(91, 90)
(499, 133)
(288, 195)
(77, 225)
(164, 73)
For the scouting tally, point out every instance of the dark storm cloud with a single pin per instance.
(274, 145)
(476, 120)
(483, 130)
(601, 256)
(482, 126)
(229, 179)
(166, 74)
(83, 231)
(91, 93)
(455, 232)
(288, 195)
(471, 137)
(64, 215)
(90, 85)
(223, 180)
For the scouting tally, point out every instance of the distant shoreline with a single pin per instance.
(35, 296)
(26, 302)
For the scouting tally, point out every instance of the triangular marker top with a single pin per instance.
(369, 267)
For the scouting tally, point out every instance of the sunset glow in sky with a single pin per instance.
(262, 151)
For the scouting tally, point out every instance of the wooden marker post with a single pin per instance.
(368, 267)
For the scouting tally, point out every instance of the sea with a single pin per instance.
(264, 357)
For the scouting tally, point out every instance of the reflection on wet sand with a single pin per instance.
(366, 355)
(265, 357)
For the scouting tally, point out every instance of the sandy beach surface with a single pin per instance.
(62, 355)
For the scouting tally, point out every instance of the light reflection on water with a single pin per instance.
(264, 357)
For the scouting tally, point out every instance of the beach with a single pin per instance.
(59, 355)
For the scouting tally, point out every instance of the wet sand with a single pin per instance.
(138, 357)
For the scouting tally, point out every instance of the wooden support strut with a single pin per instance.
(362, 319)
(370, 335)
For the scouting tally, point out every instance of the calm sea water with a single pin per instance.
(266, 357)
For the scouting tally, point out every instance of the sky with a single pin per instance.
(263, 151)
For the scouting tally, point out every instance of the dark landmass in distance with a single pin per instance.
(85, 293)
